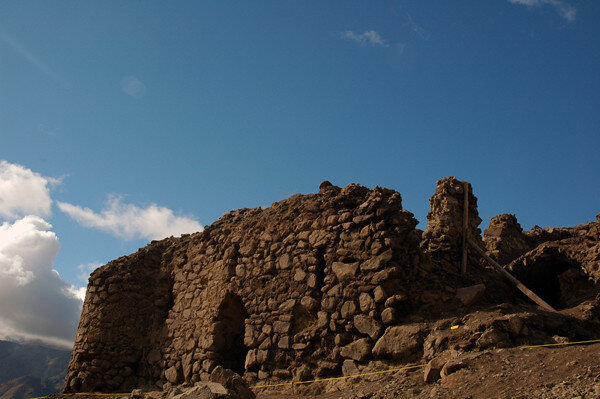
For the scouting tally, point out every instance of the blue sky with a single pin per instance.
(197, 108)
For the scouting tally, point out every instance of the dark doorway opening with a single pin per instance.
(230, 328)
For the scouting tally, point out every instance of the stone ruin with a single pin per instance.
(560, 264)
(314, 286)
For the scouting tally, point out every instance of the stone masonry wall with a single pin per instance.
(442, 239)
(309, 287)
(261, 291)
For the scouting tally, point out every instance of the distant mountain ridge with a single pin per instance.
(30, 369)
(28, 386)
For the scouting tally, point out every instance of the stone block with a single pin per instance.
(358, 350)
(468, 295)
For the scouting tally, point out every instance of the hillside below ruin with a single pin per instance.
(330, 284)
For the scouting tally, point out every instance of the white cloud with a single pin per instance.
(36, 303)
(564, 9)
(78, 293)
(133, 87)
(129, 221)
(369, 37)
(23, 192)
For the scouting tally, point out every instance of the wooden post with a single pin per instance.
(465, 230)
(511, 278)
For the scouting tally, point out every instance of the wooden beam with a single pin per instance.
(511, 278)
(465, 230)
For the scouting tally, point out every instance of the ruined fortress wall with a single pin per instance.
(306, 284)
(260, 291)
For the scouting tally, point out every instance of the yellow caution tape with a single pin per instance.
(89, 394)
(561, 344)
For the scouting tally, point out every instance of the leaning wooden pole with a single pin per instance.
(465, 230)
(510, 277)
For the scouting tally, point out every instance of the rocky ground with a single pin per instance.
(547, 372)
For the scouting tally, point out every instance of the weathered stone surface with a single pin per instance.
(251, 360)
(358, 350)
(514, 325)
(431, 372)
(303, 373)
(173, 375)
(322, 319)
(505, 239)
(284, 261)
(400, 342)
(204, 390)
(452, 366)
(233, 382)
(389, 315)
(377, 262)
(281, 327)
(348, 309)
(468, 295)
(492, 337)
(349, 367)
(380, 293)
(344, 271)
(366, 302)
(284, 342)
(309, 303)
(367, 325)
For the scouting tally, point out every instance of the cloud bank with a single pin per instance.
(23, 192)
(369, 37)
(36, 303)
(564, 9)
(129, 221)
